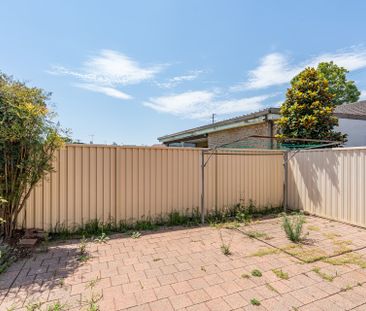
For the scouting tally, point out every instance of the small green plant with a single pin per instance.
(92, 302)
(33, 306)
(293, 226)
(103, 238)
(82, 245)
(57, 306)
(255, 302)
(225, 249)
(135, 235)
(243, 216)
(83, 255)
(280, 274)
(323, 275)
(256, 273)
(91, 284)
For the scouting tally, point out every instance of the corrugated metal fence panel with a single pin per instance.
(330, 183)
(242, 176)
(130, 183)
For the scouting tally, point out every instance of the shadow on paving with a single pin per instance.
(31, 279)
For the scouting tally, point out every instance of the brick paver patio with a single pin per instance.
(184, 269)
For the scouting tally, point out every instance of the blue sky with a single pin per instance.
(131, 71)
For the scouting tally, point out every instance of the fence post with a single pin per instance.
(285, 184)
(203, 187)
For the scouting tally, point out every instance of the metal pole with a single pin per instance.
(285, 184)
(203, 186)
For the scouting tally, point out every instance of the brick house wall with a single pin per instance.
(226, 136)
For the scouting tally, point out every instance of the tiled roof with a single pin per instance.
(225, 122)
(355, 110)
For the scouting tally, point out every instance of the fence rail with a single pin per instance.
(132, 183)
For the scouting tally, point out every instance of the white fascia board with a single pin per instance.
(273, 116)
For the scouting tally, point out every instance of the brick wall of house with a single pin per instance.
(227, 136)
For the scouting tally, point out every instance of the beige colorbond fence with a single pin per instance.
(131, 183)
(330, 183)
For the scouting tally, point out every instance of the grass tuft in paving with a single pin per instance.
(264, 252)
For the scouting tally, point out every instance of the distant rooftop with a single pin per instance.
(348, 111)
(352, 111)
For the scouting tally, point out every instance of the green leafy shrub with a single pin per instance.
(28, 141)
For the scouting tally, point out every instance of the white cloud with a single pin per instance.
(201, 104)
(107, 70)
(277, 69)
(109, 91)
(173, 82)
(363, 95)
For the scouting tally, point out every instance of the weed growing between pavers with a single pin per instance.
(245, 276)
(225, 247)
(33, 306)
(264, 252)
(305, 254)
(341, 246)
(256, 273)
(292, 225)
(281, 274)
(92, 302)
(350, 258)
(83, 255)
(323, 275)
(349, 287)
(258, 235)
(255, 302)
(57, 306)
(102, 238)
